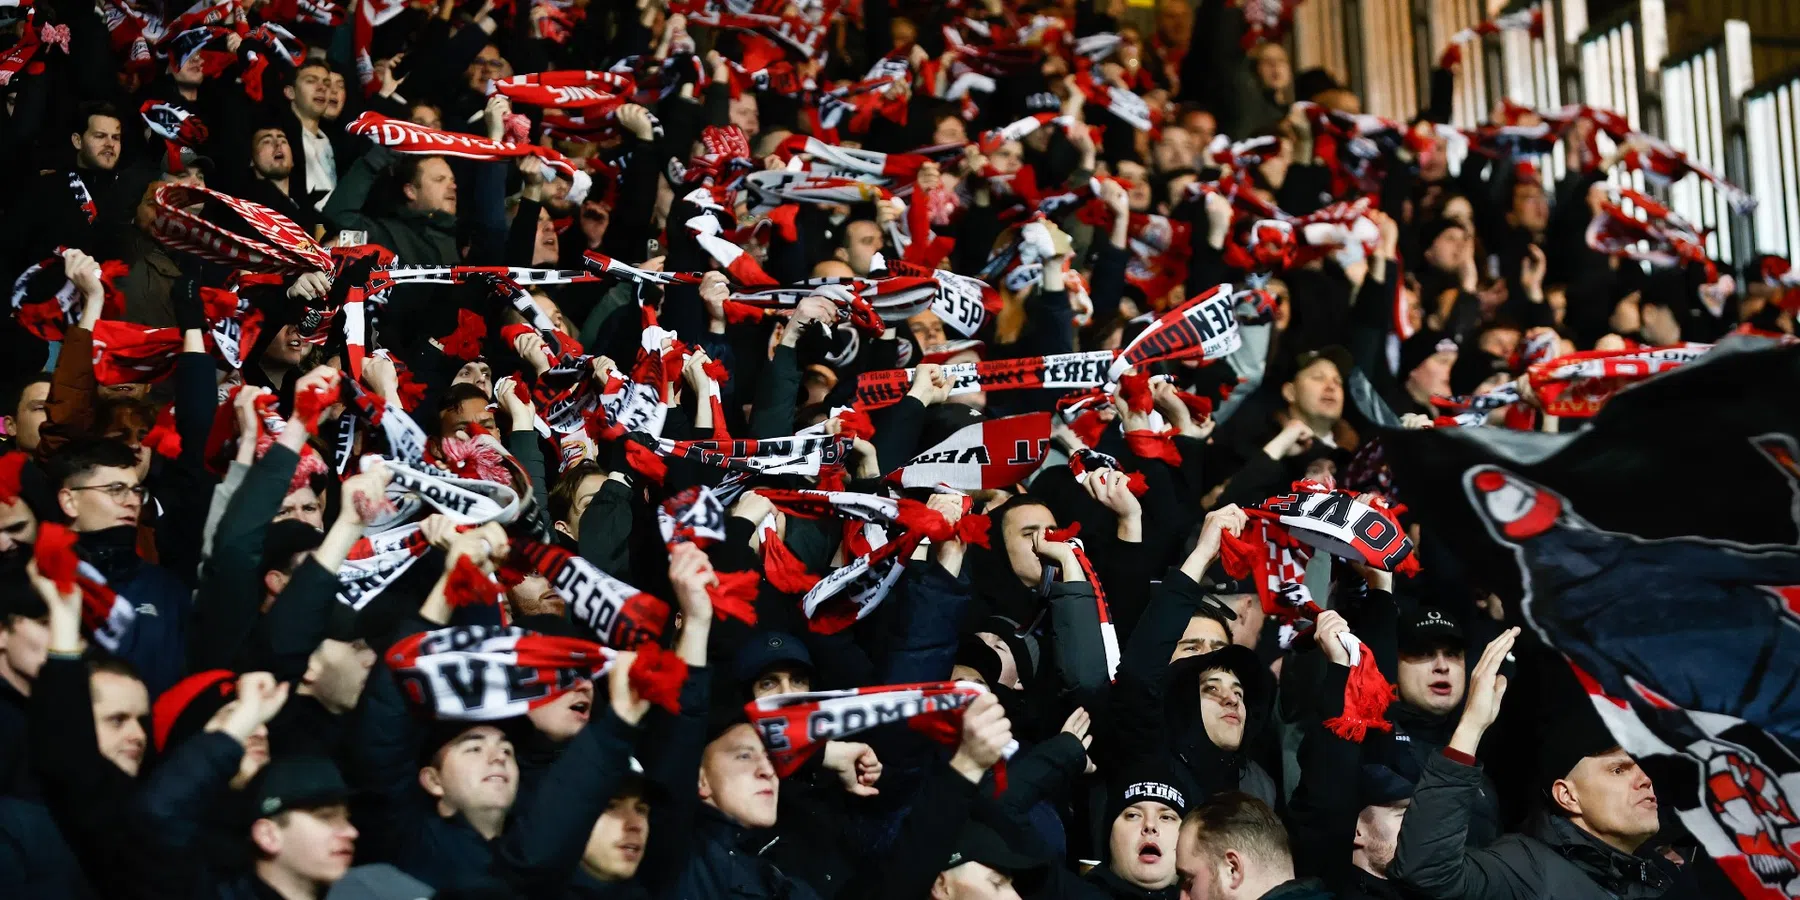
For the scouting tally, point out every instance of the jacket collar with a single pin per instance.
(113, 551)
(1103, 876)
(1622, 874)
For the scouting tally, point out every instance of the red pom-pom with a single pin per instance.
(1058, 535)
(163, 438)
(55, 555)
(646, 462)
(657, 676)
(469, 586)
(782, 568)
(465, 342)
(12, 470)
(734, 596)
(715, 369)
(973, 528)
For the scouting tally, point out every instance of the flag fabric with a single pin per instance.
(1679, 616)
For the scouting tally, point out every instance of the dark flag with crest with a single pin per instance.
(1658, 551)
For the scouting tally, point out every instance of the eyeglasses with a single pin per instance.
(117, 490)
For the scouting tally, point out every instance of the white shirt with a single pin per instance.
(321, 163)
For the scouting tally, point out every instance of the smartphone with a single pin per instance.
(349, 238)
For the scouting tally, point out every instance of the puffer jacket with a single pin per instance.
(1553, 858)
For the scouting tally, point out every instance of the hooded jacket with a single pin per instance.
(1208, 768)
(1553, 858)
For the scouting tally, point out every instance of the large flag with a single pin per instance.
(1659, 552)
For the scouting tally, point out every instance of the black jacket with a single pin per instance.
(1552, 859)
(156, 641)
(1110, 885)
(1298, 889)
(726, 861)
(1426, 736)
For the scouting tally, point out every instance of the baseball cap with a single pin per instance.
(298, 782)
(1337, 355)
(189, 158)
(181, 711)
(978, 843)
(1427, 628)
(379, 881)
(767, 649)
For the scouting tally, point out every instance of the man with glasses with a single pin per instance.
(98, 490)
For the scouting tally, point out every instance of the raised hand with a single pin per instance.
(690, 573)
(930, 385)
(1330, 625)
(1487, 687)
(625, 702)
(985, 734)
(856, 765)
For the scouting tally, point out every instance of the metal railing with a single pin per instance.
(1771, 127)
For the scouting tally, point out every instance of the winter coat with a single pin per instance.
(1553, 858)
(35, 862)
(1110, 885)
(725, 860)
(1299, 889)
(1426, 736)
(156, 642)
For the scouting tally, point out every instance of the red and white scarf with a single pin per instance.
(987, 455)
(481, 674)
(1060, 371)
(46, 303)
(105, 615)
(795, 726)
(617, 614)
(283, 247)
(406, 137)
(1206, 327)
(1579, 384)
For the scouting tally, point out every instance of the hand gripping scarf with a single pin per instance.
(1273, 550)
(795, 726)
(1579, 384)
(1661, 238)
(1284, 530)
(892, 168)
(617, 614)
(1664, 165)
(283, 246)
(105, 614)
(802, 454)
(696, 515)
(405, 137)
(481, 674)
(886, 387)
(46, 303)
(1206, 326)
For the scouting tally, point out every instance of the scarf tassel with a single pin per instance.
(646, 462)
(782, 568)
(1154, 445)
(734, 596)
(469, 586)
(1366, 698)
(658, 675)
